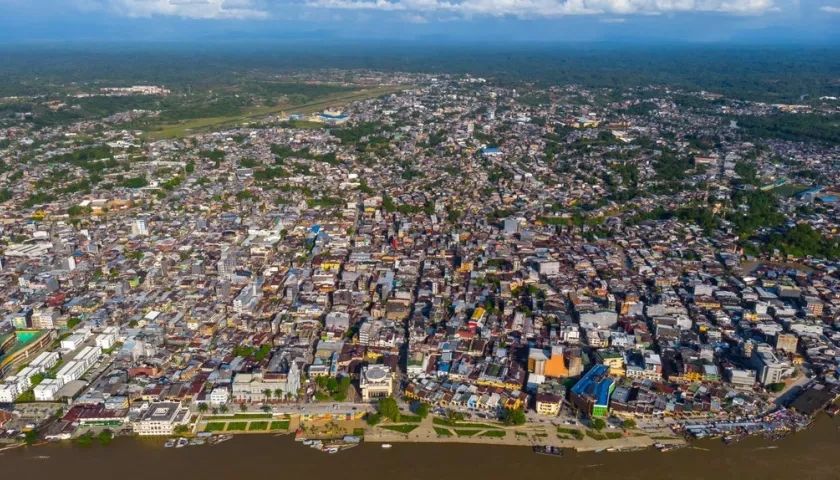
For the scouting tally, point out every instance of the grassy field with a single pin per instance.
(494, 433)
(281, 425)
(789, 189)
(240, 416)
(442, 421)
(198, 125)
(399, 428)
(410, 419)
(257, 426)
(236, 426)
(465, 433)
(603, 436)
(443, 431)
(215, 427)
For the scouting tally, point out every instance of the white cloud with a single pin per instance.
(196, 9)
(549, 8)
(830, 9)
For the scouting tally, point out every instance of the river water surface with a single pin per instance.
(813, 454)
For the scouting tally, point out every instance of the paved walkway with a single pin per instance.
(525, 435)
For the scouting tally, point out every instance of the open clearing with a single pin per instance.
(198, 125)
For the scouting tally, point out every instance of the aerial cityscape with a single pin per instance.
(357, 257)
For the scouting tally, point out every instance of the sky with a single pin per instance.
(446, 21)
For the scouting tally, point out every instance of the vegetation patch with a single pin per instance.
(447, 423)
(570, 432)
(399, 428)
(281, 425)
(236, 426)
(215, 427)
(603, 436)
(257, 426)
(443, 431)
(493, 433)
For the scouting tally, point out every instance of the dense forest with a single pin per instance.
(767, 74)
(797, 128)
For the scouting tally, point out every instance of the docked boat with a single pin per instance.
(332, 450)
(182, 442)
(169, 443)
(548, 450)
(386, 445)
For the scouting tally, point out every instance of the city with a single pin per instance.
(421, 258)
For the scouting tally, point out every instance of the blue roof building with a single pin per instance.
(591, 393)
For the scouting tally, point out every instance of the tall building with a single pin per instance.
(138, 226)
(376, 382)
(227, 263)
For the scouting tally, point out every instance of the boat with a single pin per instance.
(169, 443)
(386, 445)
(332, 450)
(182, 442)
(307, 442)
(548, 450)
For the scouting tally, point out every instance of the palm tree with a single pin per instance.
(215, 411)
(243, 407)
(265, 408)
(203, 407)
(267, 393)
(278, 393)
(223, 409)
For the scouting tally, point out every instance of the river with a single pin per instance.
(814, 454)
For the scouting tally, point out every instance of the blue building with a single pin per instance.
(591, 394)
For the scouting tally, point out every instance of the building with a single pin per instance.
(46, 391)
(786, 342)
(769, 367)
(591, 394)
(251, 387)
(376, 382)
(161, 418)
(219, 396)
(138, 227)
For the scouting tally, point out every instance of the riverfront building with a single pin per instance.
(591, 394)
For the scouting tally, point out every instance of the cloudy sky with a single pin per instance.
(758, 21)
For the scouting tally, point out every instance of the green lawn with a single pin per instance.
(236, 426)
(240, 416)
(465, 433)
(603, 436)
(494, 433)
(399, 428)
(572, 432)
(257, 426)
(410, 419)
(281, 425)
(215, 427)
(442, 431)
(359, 432)
(443, 421)
(521, 434)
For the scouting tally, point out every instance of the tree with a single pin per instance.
(598, 424)
(215, 411)
(514, 417)
(265, 408)
(203, 407)
(423, 410)
(243, 407)
(180, 430)
(389, 409)
(267, 393)
(278, 393)
(453, 416)
(776, 387)
(373, 418)
(629, 424)
(223, 409)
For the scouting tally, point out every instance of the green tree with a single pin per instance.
(598, 424)
(514, 417)
(267, 392)
(776, 387)
(389, 409)
(373, 418)
(223, 409)
(243, 407)
(629, 424)
(423, 410)
(278, 393)
(203, 407)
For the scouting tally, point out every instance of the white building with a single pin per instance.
(46, 390)
(376, 382)
(219, 396)
(72, 342)
(8, 392)
(161, 418)
(138, 226)
(45, 361)
(105, 341)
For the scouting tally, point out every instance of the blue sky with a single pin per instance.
(752, 21)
